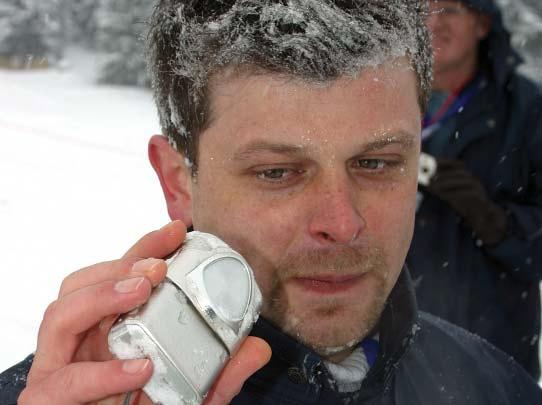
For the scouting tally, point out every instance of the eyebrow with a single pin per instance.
(402, 138)
(255, 147)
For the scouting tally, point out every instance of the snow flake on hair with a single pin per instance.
(315, 40)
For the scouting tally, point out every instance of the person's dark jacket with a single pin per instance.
(422, 360)
(491, 290)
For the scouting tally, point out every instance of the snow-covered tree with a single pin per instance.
(121, 30)
(30, 32)
(82, 21)
(524, 19)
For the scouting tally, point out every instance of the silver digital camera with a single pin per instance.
(193, 322)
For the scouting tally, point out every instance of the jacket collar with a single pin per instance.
(398, 326)
(478, 120)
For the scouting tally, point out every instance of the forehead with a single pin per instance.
(268, 106)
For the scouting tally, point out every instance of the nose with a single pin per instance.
(335, 218)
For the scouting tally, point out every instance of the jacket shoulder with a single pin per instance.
(461, 368)
(523, 90)
(457, 338)
(13, 381)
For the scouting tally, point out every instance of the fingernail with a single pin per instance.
(172, 224)
(146, 265)
(166, 226)
(129, 285)
(134, 366)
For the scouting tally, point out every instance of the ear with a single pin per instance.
(483, 26)
(174, 176)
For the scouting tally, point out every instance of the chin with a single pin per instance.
(330, 330)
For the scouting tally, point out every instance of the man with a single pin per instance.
(298, 130)
(476, 253)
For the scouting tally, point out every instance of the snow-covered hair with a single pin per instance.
(190, 41)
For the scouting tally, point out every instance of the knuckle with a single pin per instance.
(50, 312)
(30, 396)
(68, 380)
(66, 284)
(125, 265)
(25, 398)
(120, 268)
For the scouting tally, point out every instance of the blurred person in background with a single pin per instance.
(477, 249)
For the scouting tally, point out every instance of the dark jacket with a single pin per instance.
(422, 361)
(492, 291)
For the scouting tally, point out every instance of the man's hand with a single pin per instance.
(454, 184)
(73, 365)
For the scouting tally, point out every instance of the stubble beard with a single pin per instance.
(328, 324)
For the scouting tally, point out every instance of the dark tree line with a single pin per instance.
(524, 18)
(121, 27)
(30, 32)
(35, 33)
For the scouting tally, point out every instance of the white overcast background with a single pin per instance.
(75, 185)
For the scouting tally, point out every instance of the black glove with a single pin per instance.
(466, 195)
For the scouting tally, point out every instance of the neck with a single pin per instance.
(339, 356)
(453, 77)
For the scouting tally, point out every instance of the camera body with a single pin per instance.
(193, 322)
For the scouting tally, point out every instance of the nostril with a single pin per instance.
(355, 236)
(326, 236)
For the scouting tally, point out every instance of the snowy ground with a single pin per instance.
(75, 186)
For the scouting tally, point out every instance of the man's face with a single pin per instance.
(456, 33)
(315, 186)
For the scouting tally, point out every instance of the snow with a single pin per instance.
(524, 19)
(75, 185)
(332, 43)
(133, 343)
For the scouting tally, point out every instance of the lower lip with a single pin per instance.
(322, 286)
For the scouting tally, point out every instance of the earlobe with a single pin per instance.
(174, 177)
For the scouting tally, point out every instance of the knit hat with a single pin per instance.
(496, 48)
(485, 6)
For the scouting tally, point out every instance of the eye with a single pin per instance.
(275, 174)
(371, 164)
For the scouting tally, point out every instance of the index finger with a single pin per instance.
(158, 243)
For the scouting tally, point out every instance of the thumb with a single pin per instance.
(253, 354)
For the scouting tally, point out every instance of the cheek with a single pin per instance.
(259, 229)
(390, 220)
(265, 218)
(262, 234)
(465, 39)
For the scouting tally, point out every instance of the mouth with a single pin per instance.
(328, 284)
